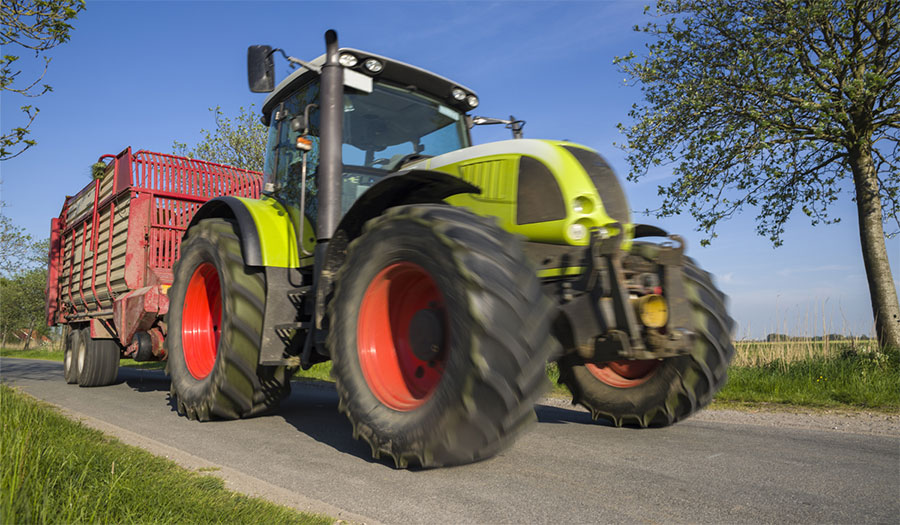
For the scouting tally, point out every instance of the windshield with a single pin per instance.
(382, 130)
(383, 127)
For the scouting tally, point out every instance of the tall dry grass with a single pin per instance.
(809, 338)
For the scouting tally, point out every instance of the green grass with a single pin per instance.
(57, 355)
(39, 353)
(850, 379)
(318, 371)
(54, 470)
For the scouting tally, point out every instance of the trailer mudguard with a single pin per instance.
(268, 235)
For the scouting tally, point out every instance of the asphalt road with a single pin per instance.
(566, 469)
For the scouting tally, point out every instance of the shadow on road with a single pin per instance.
(144, 380)
(32, 370)
(312, 409)
(558, 415)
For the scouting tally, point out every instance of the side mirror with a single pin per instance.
(260, 69)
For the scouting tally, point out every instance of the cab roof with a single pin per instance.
(394, 72)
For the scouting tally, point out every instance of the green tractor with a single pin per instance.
(438, 277)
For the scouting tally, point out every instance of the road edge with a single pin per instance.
(234, 479)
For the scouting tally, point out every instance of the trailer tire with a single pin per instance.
(669, 390)
(439, 336)
(215, 323)
(98, 360)
(70, 360)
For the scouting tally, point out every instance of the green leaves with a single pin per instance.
(35, 26)
(23, 276)
(239, 141)
(762, 103)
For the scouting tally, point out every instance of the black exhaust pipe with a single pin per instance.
(331, 165)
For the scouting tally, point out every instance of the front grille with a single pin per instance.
(605, 180)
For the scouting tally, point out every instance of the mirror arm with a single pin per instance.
(293, 60)
(511, 124)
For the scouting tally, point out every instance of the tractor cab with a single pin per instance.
(392, 114)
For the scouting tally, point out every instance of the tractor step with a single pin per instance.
(301, 325)
(286, 324)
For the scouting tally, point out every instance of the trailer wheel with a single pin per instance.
(659, 393)
(97, 359)
(215, 323)
(439, 336)
(70, 364)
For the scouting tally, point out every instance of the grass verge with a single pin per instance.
(54, 470)
(851, 379)
(57, 355)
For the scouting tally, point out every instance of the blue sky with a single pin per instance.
(144, 74)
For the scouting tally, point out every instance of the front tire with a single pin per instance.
(215, 324)
(439, 336)
(659, 393)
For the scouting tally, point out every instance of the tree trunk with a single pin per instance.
(30, 335)
(882, 292)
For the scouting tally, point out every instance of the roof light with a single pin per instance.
(348, 60)
(458, 94)
(472, 100)
(373, 65)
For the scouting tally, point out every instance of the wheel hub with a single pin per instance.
(426, 334)
(401, 336)
(625, 373)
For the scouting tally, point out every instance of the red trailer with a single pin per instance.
(112, 250)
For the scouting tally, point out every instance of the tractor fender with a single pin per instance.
(415, 186)
(266, 230)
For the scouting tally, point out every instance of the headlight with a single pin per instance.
(577, 231)
(458, 94)
(373, 65)
(472, 100)
(347, 60)
(582, 205)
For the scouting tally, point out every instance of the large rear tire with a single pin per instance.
(659, 393)
(97, 359)
(215, 324)
(439, 336)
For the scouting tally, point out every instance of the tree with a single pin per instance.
(23, 279)
(35, 26)
(22, 302)
(238, 142)
(15, 244)
(777, 105)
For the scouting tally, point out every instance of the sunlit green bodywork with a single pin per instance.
(277, 226)
(494, 168)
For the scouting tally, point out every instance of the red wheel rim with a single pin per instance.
(201, 321)
(624, 374)
(397, 377)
